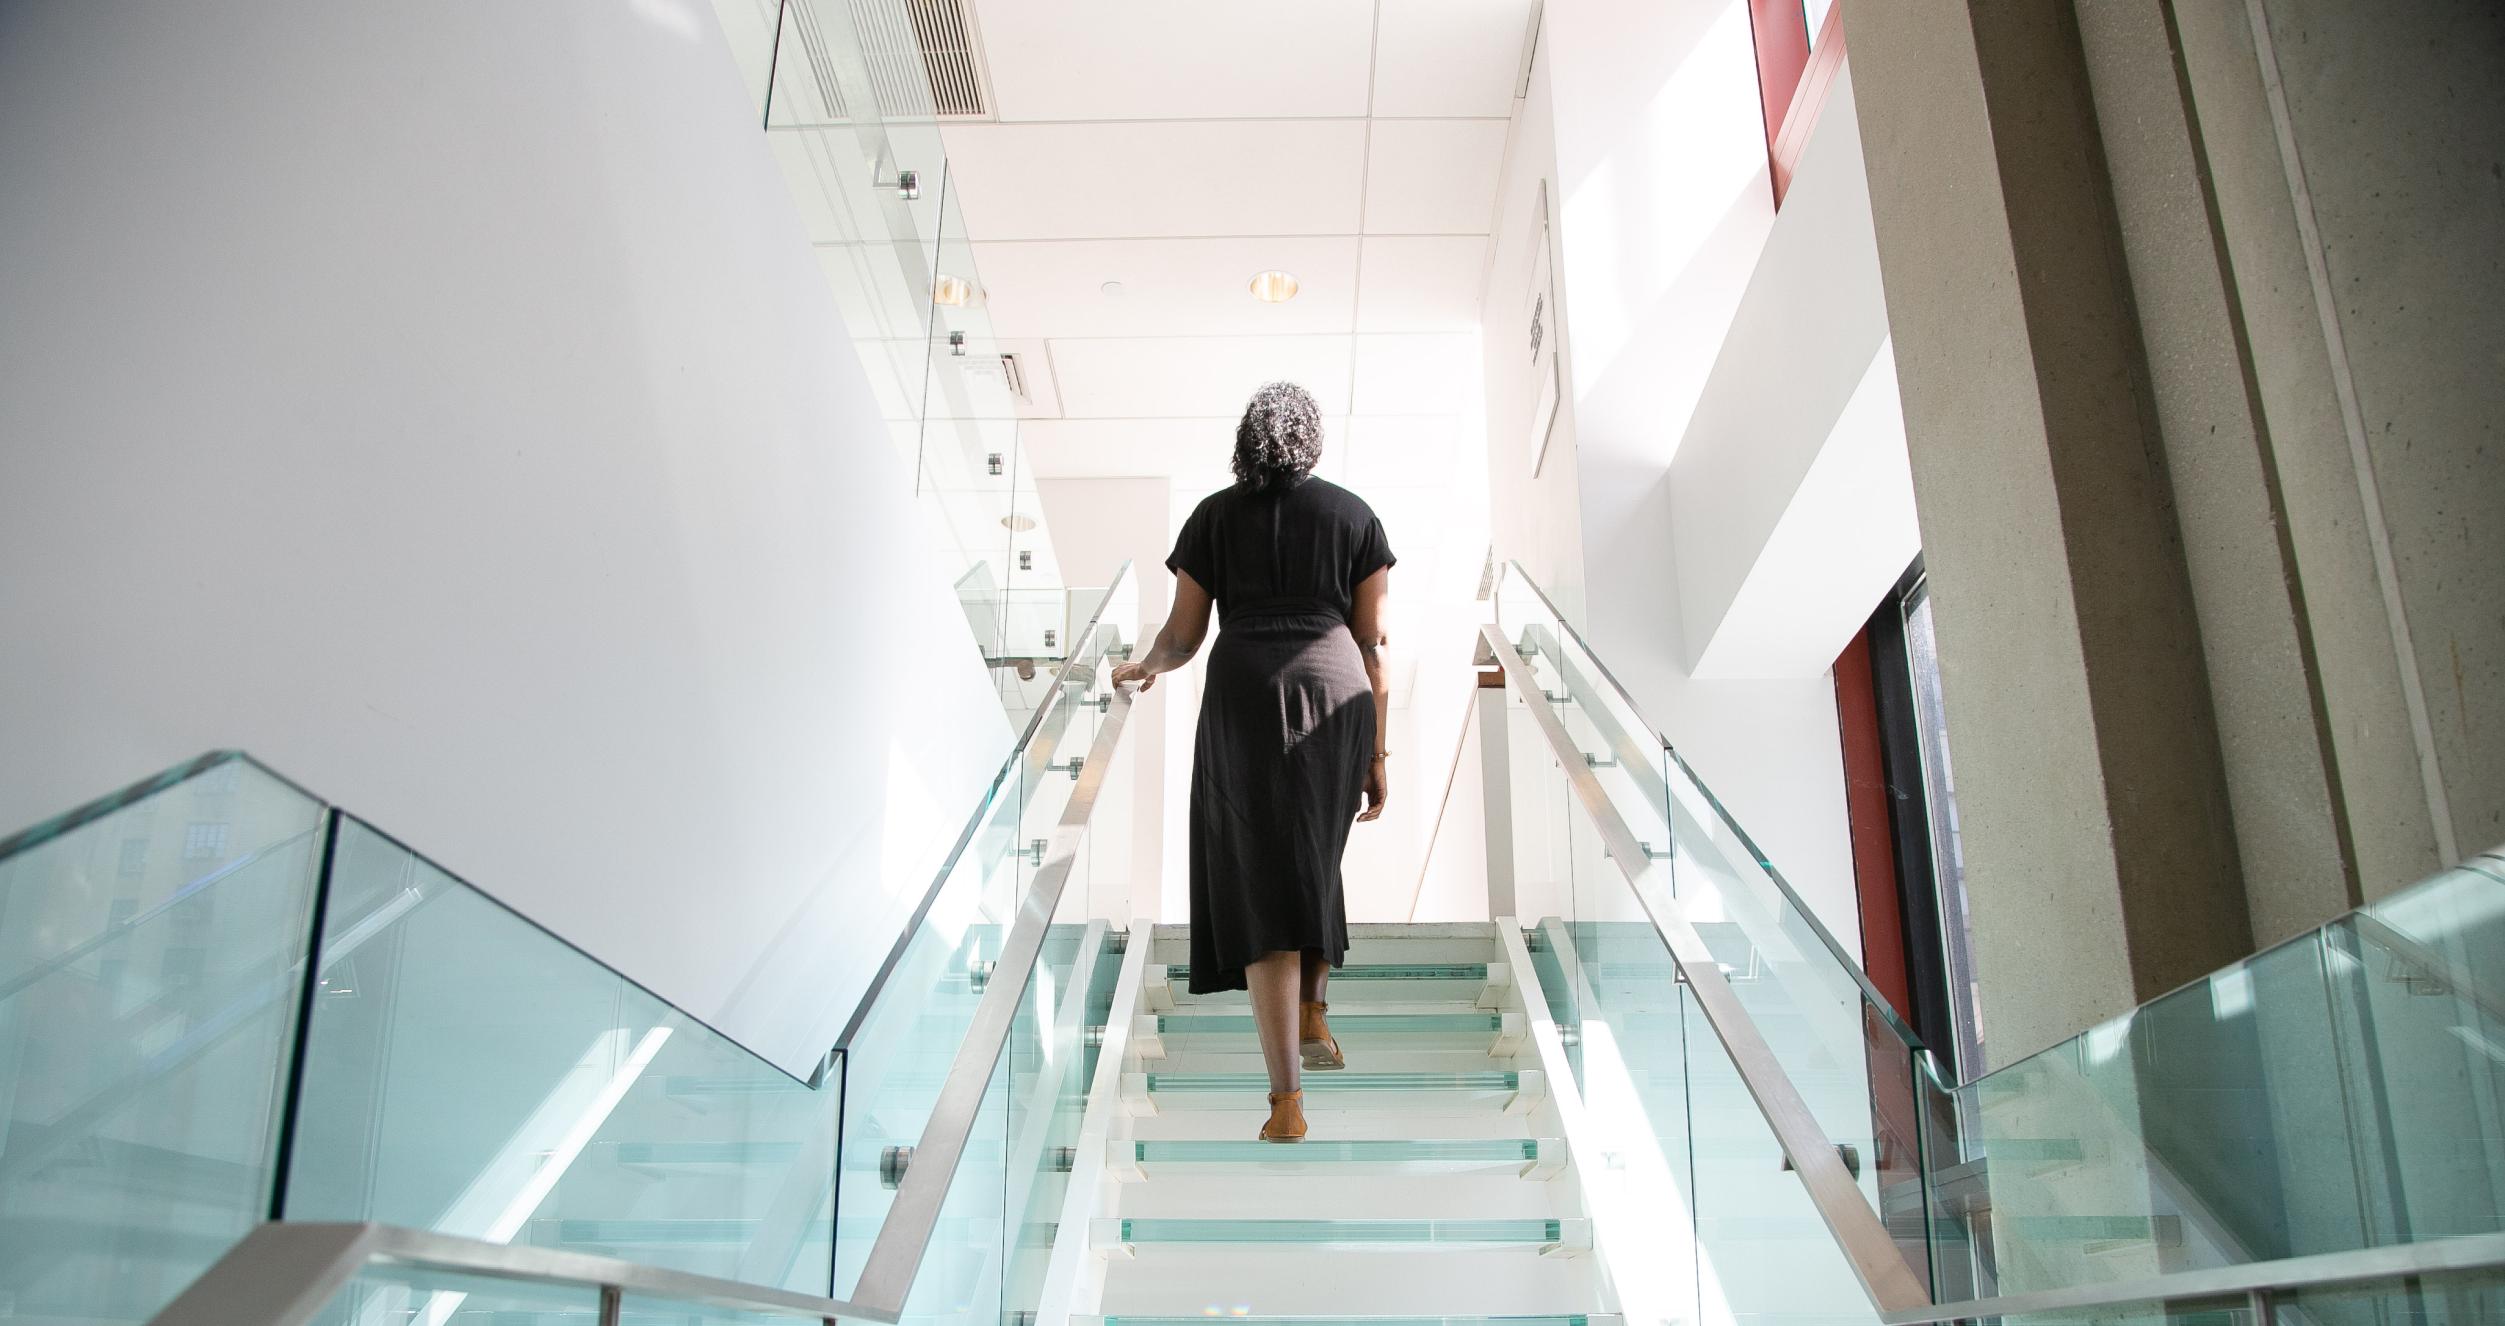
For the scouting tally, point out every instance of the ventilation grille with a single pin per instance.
(947, 42)
(1008, 370)
(921, 58)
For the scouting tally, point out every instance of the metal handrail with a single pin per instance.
(1867, 1244)
(905, 1235)
(1870, 992)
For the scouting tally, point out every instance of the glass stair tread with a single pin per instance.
(1354, 1019)
(1407, 1233)
(1424, 1155)
(1333, 1083)
(1531, 1319)
(1181, 972)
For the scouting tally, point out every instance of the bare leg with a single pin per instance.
(1314, 1042)
(1274, 979)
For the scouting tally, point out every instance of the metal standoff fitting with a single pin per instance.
(1034, 852)
(979, 974)
(1844, 1151)
(892, 1163)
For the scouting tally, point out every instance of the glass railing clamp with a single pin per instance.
(1845, 1151)
(892, 1163)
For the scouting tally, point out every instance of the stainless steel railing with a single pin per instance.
(1867, 1244)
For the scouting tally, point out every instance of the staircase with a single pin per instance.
(1434, 1185)
(1652, 1090)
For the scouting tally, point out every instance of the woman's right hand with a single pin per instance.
(1134, 674)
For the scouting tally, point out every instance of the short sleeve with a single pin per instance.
(1374, 552)
(1194, 552)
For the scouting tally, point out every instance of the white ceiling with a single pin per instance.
(1181, 148)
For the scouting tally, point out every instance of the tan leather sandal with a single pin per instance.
(1287, 1118)
(1321, 1052)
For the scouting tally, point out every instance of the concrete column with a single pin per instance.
(2099, 851)
(2273, 724)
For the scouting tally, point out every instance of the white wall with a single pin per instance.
(442, 404)
(1643, 121)
(1792, 503)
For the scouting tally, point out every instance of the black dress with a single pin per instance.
(1286, 721)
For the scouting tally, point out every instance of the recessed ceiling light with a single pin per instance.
(1113, 288)
(1017, 523)
(1274, 287)
(952, 290)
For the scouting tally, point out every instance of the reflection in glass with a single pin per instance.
(148, 949)
(1947, 849)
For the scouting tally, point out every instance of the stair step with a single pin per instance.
(1515, 1090)
(1489, 1079)
(1181, 972)
(1119, 1234)
(1533, 1157)
(1355, 1021)
(1557, 1319)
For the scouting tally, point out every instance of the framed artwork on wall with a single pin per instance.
(1543, 335)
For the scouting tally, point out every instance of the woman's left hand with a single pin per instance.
(1134, 673)
(1378, 790)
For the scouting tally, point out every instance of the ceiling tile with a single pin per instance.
(1416, 374)
(1148, 59)
(1191, 287)
(1165, 178)
(1195, 376)
(1420, 283)
(1449, 57)
(1402, 450)
(1433, 177)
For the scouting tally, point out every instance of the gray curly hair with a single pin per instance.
(1280, 438)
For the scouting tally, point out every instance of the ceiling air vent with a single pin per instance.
(948, 59)
(1011, 374)
(922, 58)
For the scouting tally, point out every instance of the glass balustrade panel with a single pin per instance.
(466, 1071)
(1845, 1050)
(150, 948)
(1048, 1082)
(2337, 1091)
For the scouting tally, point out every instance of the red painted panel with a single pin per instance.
(1874, 842)
(1801, 115)
(1781, 32)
